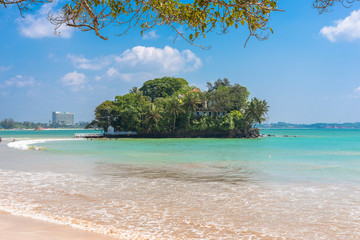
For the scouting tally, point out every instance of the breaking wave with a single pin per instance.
(26, 144)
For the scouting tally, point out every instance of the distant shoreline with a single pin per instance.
(284, 125)
(262, 128)
(46, 129)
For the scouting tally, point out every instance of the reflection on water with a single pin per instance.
(179, 172)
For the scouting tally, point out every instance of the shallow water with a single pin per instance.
(303, 187)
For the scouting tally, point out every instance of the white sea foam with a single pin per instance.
(24, 144)
(216, 210)
(76, 223)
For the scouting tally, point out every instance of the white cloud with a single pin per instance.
(128, 77)
(346, 29)
(74, 80)
(38, 25)
(140, 62)
(90, 64)
(18, 81)
(150, 35)
(167, 60)
(355, 94)
(112, 72)
(4, 68)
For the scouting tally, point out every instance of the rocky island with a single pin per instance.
(169, 108)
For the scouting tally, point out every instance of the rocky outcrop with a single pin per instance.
(251, 133)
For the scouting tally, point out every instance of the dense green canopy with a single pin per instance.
(164, 87)
(167, 105)
(224, 96)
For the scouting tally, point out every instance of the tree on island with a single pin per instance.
(225, 96)
(153, 116)
(175, 108)
(164, 87)
(255, 111)
(183, 110)
(197, 18)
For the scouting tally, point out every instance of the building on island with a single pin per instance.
(110, 132)
(203, 112)
(204, 108)
(63, 118)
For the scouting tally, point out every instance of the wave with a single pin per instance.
(25, 144)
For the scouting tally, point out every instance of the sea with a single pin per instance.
(292, 184)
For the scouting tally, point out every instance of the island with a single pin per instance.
(169, 107)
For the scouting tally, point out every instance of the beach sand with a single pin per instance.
(23, 228)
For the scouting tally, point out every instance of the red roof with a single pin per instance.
(195, 90)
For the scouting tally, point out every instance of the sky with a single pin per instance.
(308, 70)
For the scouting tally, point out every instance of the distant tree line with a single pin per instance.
(284, 125)
(9, 123)
(169, 105)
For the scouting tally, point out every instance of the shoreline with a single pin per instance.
(14, 227)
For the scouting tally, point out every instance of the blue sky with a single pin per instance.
(308, 70)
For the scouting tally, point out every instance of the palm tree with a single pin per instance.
(175, 108)
(256, 111)
(153, 116)
(141, 99)
(191, 102)
(134, 90)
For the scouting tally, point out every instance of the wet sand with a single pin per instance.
(23, 228)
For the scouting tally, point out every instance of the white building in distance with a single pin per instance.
(63, 118)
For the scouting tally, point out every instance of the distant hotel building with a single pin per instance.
(63, 118)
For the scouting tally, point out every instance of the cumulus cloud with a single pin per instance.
(139, 63)
(150, 35)
(166, 60)
(346, 29)
(74, 80)
(18, 81)
(38, 25)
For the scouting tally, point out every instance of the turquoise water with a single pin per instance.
(317, 155)
(300, 184)
(67, 133)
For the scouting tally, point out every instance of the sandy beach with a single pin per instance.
(23, 228)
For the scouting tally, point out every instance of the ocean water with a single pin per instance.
(300, 184)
